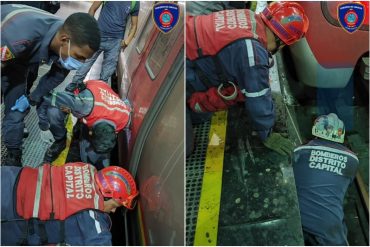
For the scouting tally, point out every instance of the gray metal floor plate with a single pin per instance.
(194, 178)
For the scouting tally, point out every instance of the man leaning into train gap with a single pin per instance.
(31, 37)
(65, 205)
(101, 113)
(228, 59)
(323, 170)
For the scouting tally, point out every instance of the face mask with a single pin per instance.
(70, 63)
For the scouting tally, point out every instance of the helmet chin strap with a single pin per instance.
(271, 59)
(279, 44)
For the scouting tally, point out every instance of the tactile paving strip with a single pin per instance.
(194, 178)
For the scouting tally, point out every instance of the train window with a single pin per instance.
(144, 34)
(161, 49)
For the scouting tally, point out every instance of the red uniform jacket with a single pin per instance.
(206, 35)
(107, 105)
(63, 190)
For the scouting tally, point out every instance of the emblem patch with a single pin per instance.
(166, 16)
(351, 16)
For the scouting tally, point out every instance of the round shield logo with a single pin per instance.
(351, 18)
(166, 18)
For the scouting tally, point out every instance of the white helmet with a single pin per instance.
(329, 127)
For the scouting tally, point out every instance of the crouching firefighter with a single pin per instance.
(229, 54)
(62, 205)
(102, 115)
(323, 170)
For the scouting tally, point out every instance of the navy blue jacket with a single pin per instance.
(323, 171)
(245, 62)
(84, 228)
(26, 33)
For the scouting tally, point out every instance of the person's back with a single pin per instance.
(323, 170)
(204, 8)
(228, 59)
(208, 34)
(101, 111)
(76, 228)
(75, 213)
(113, 18)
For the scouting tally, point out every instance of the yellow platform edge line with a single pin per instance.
(61, 160)
(209, 203)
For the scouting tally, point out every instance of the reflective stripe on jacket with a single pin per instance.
(51, 192)
(107, 106)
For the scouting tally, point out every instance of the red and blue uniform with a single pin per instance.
(237, 39)
(76, 204)
(97, 103)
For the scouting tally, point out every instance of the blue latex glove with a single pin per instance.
(21, 104)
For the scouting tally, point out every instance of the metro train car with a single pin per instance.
(332, 66)
(150, 74)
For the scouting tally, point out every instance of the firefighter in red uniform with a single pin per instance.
(228, 60)
(65, 205)
(101, 111)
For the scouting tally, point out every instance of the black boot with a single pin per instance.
(54, 150)
(13, 158)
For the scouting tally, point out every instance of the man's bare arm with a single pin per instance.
(131, 35)
(94, 7)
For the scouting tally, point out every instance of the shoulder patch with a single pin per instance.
(6, 54)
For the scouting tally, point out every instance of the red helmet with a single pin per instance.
(287, 20)
(117, 183)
